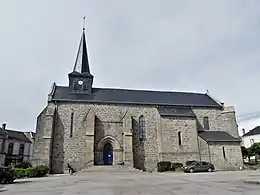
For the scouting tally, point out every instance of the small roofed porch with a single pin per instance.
(220, 149)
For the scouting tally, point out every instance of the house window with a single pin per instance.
(141, 127)
(206, 123)
(252, 141)
(71, 124)
(224, 152)
(21, 149)
(179, 138)
(10, 148)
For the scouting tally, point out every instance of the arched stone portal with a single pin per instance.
(109, 151)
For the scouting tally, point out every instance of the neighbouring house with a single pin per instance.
(87, 126)
(251, 137)
(15, 146)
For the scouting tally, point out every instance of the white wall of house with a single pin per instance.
(16, 147)
(27, 151)
(1, 144)
(248, 141)
(27, 147)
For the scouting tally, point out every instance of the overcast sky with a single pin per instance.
(139, 44)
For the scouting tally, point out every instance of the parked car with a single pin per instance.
(6, 175)
(199, 167)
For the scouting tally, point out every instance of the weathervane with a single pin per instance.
(84, 19)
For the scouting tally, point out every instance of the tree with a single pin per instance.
(244, 151)
(255, 149)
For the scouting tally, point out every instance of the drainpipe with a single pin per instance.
(198, 147)
(209, 153)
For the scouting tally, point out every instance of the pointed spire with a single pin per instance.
(81, 63)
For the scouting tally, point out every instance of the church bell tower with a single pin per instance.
(81, 80)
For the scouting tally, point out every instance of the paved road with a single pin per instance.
(132, 183)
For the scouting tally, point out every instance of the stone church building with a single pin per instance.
(87, 126)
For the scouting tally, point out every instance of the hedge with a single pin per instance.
(177, 165)
(163, 166)
(39, 171)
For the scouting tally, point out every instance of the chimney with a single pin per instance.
(3, 126)
(243, 131)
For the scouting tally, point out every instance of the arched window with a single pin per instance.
(10, 148)
(206, 123)
(21, 149)
(141, 127)
(179, 138)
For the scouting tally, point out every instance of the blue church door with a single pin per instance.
(108, 154)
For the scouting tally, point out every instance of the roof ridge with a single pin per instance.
(144, 90)
(15, 130)
(137, 96)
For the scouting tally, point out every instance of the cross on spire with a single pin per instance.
(82, 63)
(84, 20)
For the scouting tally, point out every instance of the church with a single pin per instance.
(87, 126)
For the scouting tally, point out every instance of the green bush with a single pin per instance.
(177, 165)
(179, 169)
(19, 173)
(164, 166)
(39, 171)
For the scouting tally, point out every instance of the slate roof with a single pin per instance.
(217, 136)
(173, 111)
(82, 63)
(18, 135)
(255, 131)
(125, 96)
(128, 96)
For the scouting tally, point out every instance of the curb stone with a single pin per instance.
(252, 182)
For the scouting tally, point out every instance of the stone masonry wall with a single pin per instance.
(214, 115)
(233, 157)
(171, 150)
(76, 147)
(219, 120)
(44, 137)
(104, 129)
(39, 145)
(204, 150)
(229, 123)
(120, 122)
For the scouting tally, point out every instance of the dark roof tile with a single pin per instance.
(106, 95)
(255, 131)
(217, 136)
(18, 135)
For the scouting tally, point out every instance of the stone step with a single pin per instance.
(114, 168)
